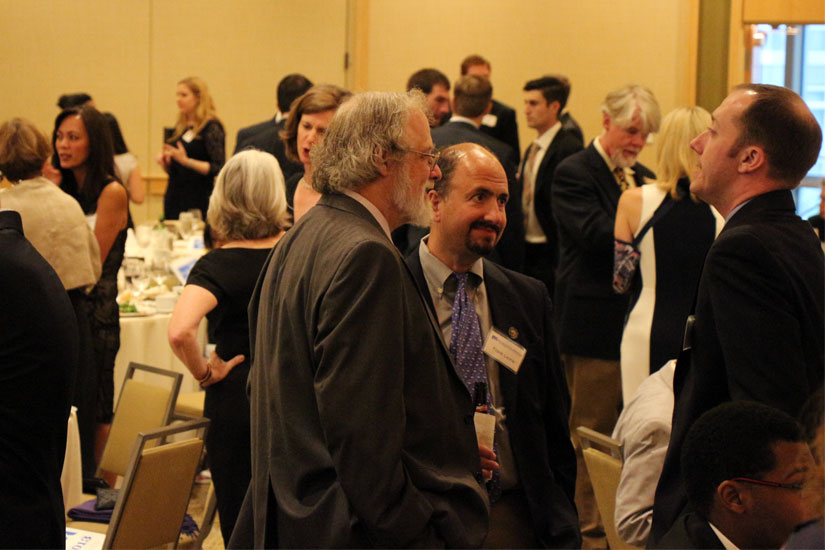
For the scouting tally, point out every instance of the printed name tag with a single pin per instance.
(504, 350)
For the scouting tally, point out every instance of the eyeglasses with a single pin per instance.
(432, 159)
(791, 486)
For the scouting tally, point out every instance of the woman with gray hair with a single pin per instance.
(247, 212)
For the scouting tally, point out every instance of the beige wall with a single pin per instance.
(598, 44)
(130, 53)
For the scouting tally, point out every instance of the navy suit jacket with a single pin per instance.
(589, 315)
(536, 401)
(510, 250)
(506, 128)
(758, 329)
(265, 136)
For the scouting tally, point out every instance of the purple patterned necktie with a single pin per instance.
(466, 346)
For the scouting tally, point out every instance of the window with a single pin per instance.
(794, 56)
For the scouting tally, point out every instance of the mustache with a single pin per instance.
(483, 224)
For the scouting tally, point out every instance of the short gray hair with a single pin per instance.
(249, 198)
(622, 104)
(365, 131)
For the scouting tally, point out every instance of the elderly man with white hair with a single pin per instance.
(589, 315)
(362, 431)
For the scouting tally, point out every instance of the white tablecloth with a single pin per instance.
(72, 477)
(144, 340)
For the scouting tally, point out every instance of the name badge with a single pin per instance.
(504, 350)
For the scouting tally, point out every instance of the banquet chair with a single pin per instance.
(156, 488)
(141, 406)
(603, 459)
(190, 404)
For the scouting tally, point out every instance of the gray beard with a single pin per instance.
(413, 209)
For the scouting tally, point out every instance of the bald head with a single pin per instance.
(778, 120)
(468, 206)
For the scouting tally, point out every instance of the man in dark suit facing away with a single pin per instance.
(757, 330)
(472, 96)
(500, 122)
(528, 396)
(265, 135)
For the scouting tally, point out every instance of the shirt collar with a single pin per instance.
(736, 209)
(546, 138)
(436, 272)
(379, 217)
(10, 219)
(279, 116)
(459, 118)
(610, 164)
(726, 542)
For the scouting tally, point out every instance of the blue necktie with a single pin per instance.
(466, 346)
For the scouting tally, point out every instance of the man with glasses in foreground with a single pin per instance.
(744, 466)
(360, 430)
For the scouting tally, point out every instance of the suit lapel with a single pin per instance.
(504, 316)
(603, 176)
(413, 265)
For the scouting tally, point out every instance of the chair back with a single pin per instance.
(603, 459)
(141, 406)
(157, 487)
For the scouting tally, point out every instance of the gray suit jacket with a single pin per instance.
(361, 429)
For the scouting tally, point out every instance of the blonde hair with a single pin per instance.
(674, 157)
(204, 112)
(23, 150)
(249, 198)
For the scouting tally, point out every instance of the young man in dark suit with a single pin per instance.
(472, 97)
(589, 315)
(757, 328)
(264, 136)
(544, 99)
(500, 122)
(528, 397)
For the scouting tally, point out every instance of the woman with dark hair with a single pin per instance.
(194, 154)
(126, 164)
(247, 213)
(55, 225)
(308, 120)
(83, 146)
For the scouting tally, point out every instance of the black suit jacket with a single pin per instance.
(506, 128)
(536, 401)
(758, 330)
(265, 136)
(569, 123)
(510, 249)
(38, 359)
(589, 315)
(689, 533)
(564, 144)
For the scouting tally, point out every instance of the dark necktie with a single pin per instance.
(466, 346)
(620, 178)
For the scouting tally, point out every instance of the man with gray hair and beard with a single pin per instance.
(362, 432)
(589, 316)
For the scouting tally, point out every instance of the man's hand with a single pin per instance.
(488, 462)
